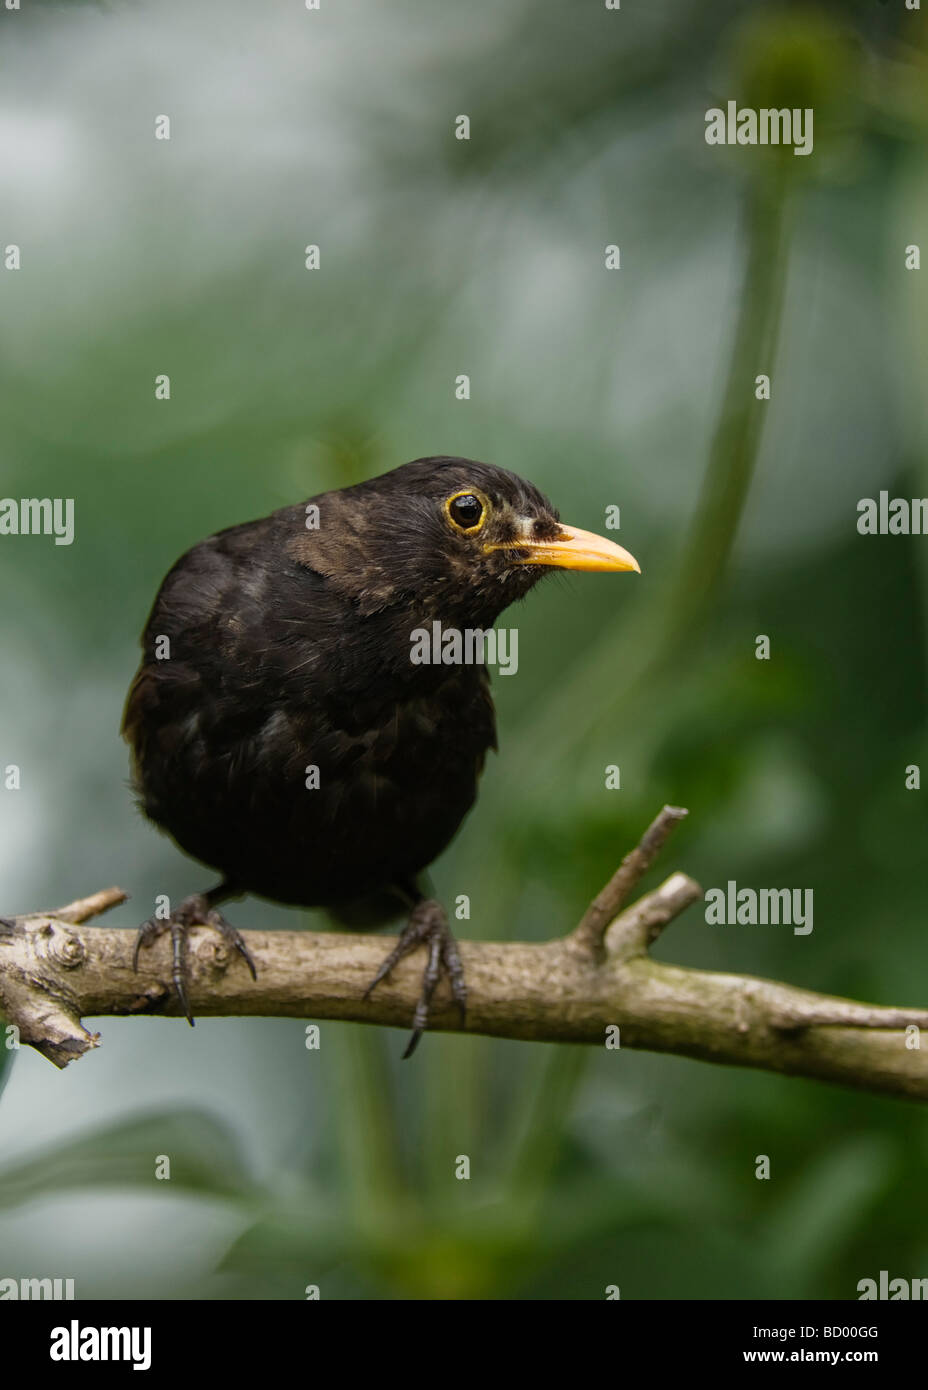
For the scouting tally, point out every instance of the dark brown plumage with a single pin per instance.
(284, 645)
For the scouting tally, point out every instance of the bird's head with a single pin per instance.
(451, 537)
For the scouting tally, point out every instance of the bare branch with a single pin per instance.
(607, 903)
(633, 932)
(84, 908)
(54, 972)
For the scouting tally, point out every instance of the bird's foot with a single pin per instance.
(427, 926)
(195, 911)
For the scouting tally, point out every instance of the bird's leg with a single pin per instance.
(427, 926)
(199, 910)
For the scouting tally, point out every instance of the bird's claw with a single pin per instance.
(194, 911)
(427, 926)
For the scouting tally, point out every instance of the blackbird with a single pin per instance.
(280, 729)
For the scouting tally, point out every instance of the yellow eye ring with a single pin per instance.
(478, 525)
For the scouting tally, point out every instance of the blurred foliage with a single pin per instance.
(203, 1158)
(438, 257)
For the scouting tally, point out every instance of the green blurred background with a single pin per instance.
(633, 387)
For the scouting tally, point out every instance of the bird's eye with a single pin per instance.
(465, 510)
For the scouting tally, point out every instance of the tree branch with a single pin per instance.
(605, 906)
(54, 971)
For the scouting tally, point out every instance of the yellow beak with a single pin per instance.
(575, 550)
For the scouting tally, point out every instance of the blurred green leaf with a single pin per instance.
(205, 1157)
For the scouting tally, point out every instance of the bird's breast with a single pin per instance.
(311, 798)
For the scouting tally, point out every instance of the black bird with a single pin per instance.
(281, 731)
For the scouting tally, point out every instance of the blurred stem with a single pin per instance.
(545, 1125)
(684, 609)
(459, 1114)
(367, 1143)
(629, 657)
(736, 441)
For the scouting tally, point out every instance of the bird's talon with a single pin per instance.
(195, 911)
(427, 926)
(233, 936)
(412, 1044)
